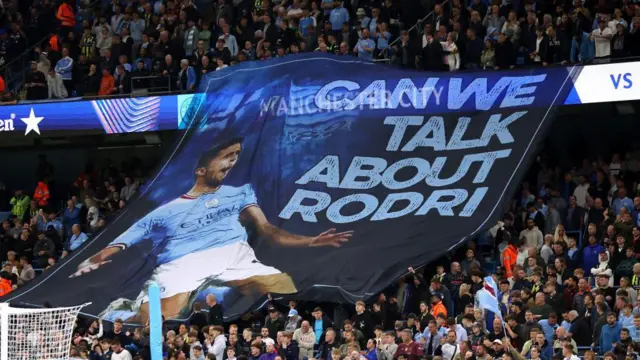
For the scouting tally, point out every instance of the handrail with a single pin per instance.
(415, 26)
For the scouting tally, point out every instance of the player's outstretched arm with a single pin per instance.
(97, 260)
(282, 237)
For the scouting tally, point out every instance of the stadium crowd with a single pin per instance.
(168, 45)
(564, 258)
(41, 227)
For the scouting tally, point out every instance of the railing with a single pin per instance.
(385, 52)
(15, 71)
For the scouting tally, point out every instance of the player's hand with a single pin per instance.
(331, 238)
(89, 268)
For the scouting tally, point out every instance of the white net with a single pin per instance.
(36, 334)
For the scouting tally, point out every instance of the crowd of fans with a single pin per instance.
(564, 258)
(38, 232)
(168, 45)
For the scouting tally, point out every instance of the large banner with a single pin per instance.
(312, 177)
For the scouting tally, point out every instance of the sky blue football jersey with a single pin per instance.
(187, 224)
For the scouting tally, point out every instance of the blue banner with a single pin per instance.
(113, 116)
(315, 177)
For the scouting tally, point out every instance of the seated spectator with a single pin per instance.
(42, 250)
(27, 273)
(77, 238)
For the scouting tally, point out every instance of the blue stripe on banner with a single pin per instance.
(155, 322)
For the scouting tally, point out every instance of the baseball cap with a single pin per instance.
(497, 341)
(293, 312)
(271, 309)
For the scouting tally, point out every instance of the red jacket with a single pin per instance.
(66, 16)
(41, 195)
(5, 287)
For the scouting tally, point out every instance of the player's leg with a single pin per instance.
(171, 307)
(264, 284)
(177, 280)
(249, 276)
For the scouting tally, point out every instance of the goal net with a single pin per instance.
(36, 334)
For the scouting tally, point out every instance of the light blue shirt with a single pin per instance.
(566, 325)
(186, 224)
(383, 40)
(77, 240)
(620, 203)
(625, 321)
(634, 333)
(548, 330)
(338, 17)
(362, 53)
(317, 328)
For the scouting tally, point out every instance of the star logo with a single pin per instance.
(32, 123)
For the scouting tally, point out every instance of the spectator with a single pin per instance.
(43, 250)
(27, 273)
(77, 237)
(107, 83)
(306, 339)
(122, 82)
(64, 67)
(610, 333)
(581, 49)
(602, 38)
(453, 56)
(91, 81)
(620, 42)
(36, 83)
(55, 85)
(365, 46)
(214, 316)
(186, 77)
(67, 18)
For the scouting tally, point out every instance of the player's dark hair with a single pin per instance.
(210, 154)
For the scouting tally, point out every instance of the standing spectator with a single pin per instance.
(582, 51)
(187, 76)
(91, 81)
(67, 18)
(64, 67)
(107, 83)
(230, 41)
(505, 53)
(306, 339)
(620, 42)
(20, 204)
(552, 50)
(365, 46)
(488, 57)
(473, 50)
(493, 19)
(122, 83)
(453, 55)
(191, 36)
(602, 38)
(36, 83)
(338, 16)
(610, 333)
(214, 316)
(56, 85)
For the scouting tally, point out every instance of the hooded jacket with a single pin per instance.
(42, 195)
(590, 256)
